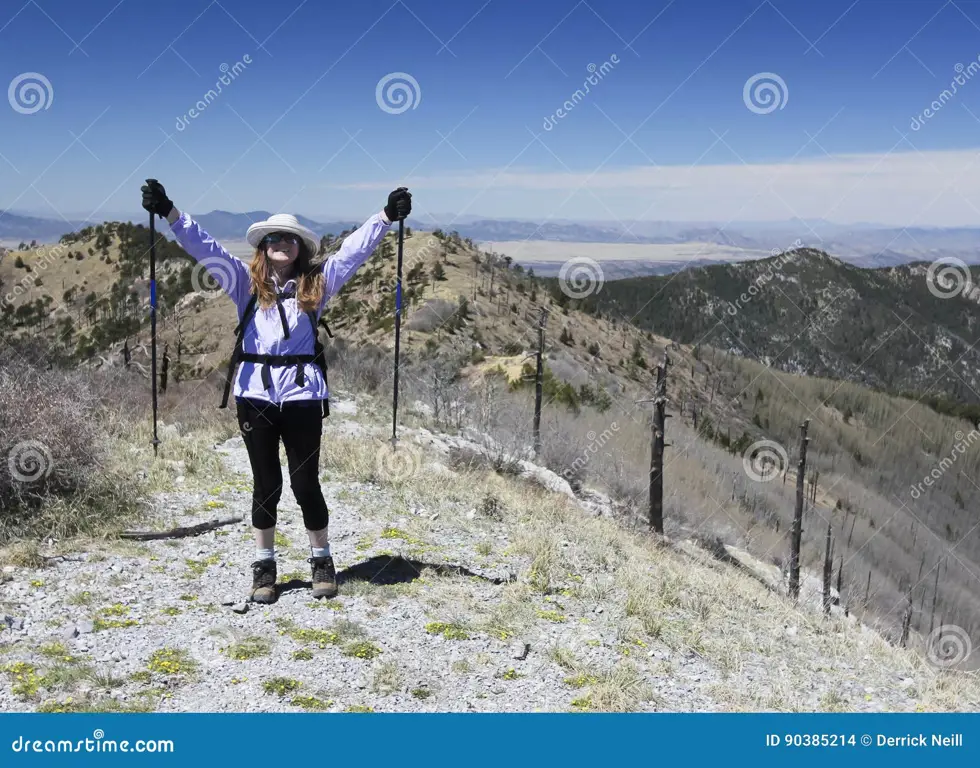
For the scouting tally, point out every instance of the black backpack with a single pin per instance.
(239, 355)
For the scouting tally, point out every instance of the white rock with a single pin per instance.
(546, 478)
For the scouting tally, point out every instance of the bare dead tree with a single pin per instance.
(539, 382)
(164, 368)
(797, 533)
(828, 570)
(906, 621)
(660, 416)
(935, 594)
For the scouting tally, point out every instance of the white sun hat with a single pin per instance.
(282, 222)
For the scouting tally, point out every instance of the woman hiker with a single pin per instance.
(279, 390)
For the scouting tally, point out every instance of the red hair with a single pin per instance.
(309, 280)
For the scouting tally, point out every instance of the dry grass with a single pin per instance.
(679, 599)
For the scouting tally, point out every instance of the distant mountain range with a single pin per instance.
(807, 312)
(864, 245)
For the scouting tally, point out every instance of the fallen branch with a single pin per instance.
(48, 559)
(181, 532)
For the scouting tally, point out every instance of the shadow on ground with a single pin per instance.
(387, 569)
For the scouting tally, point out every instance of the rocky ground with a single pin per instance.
(461, 590)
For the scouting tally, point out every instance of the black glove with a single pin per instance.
(399, 204)
(155, 198)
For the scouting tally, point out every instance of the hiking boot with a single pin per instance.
(263, 581)
(324, 577)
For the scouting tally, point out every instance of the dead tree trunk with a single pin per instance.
(935, 594)
(840, 580)
(906, 621)
(164, 369)
(828, 570)
(657, 449)
(797, 533)
(539, 383)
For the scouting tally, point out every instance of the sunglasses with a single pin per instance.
(278, 237)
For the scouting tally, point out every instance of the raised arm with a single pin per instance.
(228, 272)
(360, 244)
(354, 251)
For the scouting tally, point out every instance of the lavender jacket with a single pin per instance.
(264, 333)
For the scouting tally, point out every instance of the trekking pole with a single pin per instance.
(398, 328)
(153, 323)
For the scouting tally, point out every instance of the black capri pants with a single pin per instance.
(299, 425)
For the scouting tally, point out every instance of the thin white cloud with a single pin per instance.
(940, 188)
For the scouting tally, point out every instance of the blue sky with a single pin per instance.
(664, 134)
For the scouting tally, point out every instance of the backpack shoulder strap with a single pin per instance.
(246, 315)
(239, 339)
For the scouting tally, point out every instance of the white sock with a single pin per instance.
(265, 554)
(321, 551)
